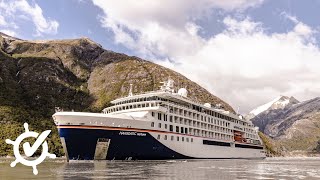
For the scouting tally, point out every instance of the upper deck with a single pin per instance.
(166, 96)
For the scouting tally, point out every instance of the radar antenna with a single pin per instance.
(167, 85)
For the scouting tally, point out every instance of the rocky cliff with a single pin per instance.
(295, 128)
(75, 74)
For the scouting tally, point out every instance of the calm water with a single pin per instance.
(283, 168)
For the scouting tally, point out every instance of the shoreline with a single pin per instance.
(268, 158)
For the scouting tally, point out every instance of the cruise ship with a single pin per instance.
(157, 125)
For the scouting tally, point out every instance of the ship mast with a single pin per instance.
(130, 91)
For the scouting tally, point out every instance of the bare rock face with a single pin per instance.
(114, 79)
(295, 127)
(84, 69)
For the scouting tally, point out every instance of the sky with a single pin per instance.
(247, 52)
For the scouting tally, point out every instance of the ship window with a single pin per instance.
(177, 138)
(172, 137)
(152, 113)
(152, 124)
(177, 129)
(171, 128)
(143, 105)
(182, 138)
(158, 136)
(191, 139)
(165, 137)
(159, 125)
(170, 118)
(187, 139)
(159, 116)
(182, 129)
(186, 130)
(165, 126)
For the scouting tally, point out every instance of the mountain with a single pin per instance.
(295, 127)
(280, 102)
(74, 74)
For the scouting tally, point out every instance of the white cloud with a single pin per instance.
(2, 21)
(170, 14)
(24, 10)
(248, 69)
(243, 65)
(8, 32)
(303, 29)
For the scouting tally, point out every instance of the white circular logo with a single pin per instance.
(29, 151)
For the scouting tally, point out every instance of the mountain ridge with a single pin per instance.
(76, 74)
(295, 127)
(278, 103)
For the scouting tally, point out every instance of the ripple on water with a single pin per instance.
(305, 168)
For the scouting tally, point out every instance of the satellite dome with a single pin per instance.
(208, 105)
(183, 92)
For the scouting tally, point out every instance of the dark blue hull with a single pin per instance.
(81, 144)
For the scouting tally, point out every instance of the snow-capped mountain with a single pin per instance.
(278, 103)
(293, 126)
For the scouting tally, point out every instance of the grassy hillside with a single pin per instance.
(79, 75)
(269, 145)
